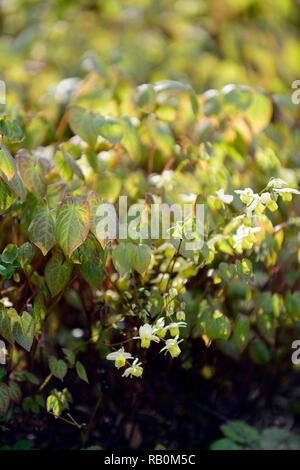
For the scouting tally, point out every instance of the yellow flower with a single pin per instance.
(146, 335)
(134, 370)
(172, 346)
(287, 193)
(174, 327)
(119, 357)
(246, 195)
(269, 201)
(159, 328)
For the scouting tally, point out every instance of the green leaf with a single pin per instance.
(7, 163)
(16, 185)
(72, 224)
(4, 399)
(26, 253)
(70, 356)
(109, 187)
(62, 167)
(141, 258)
(9, 254)
(241, 432)
(241, 333)
(55, 194)
(58, 367)
(57, 273)
(109, 128)
(259, 112)
(123, 257)
(225, 444)
(237, 97)
(259, 352)
(279, 439)
(41, 229)
(24, 330)
(92, 272)
(7, 318)
(82, 124)
(212, 104)
(14, 391)
(146, 97)
(23, 444)
(5, 196)
(131, 140)
(31, 173)
(73, 165)
(267, 326)
(81, 371)
(218, 326)
(38, 313)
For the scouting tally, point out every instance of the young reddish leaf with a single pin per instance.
(41, 229)
(72, 224)
(31, 173)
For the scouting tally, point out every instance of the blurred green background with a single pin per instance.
(205, 43)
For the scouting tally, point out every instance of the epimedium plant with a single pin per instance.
(159, 143)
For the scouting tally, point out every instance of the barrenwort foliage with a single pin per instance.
(67, 294)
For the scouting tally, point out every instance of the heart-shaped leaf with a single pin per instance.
(16, 185)
(24, 330)
(72, 224)
(26, 253)
(122, 257)
(58, 367)
(41, 229)
(218, 326)
(31, 173)
(109, 128)
(142, 258)
(82, 124)
(57, 273)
